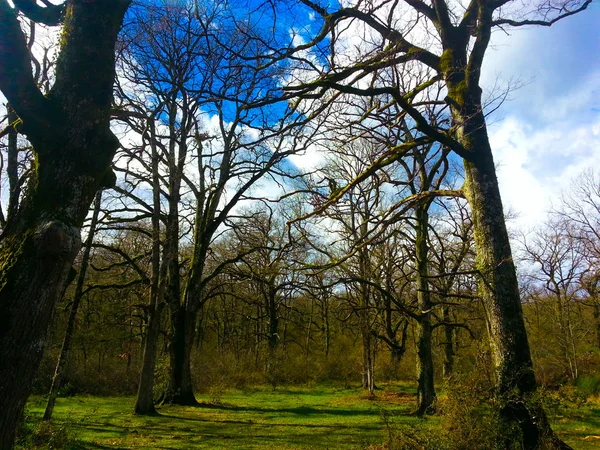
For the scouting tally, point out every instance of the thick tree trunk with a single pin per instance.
(31, 286)
(69, 131)
(425, 374)
(523, 420)
(180, 390)
(66, 346)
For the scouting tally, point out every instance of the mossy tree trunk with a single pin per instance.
(463, 32)
(522, 419)
(73, 145)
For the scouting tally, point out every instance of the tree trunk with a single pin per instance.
(425, 375)
(145, 396)
(70, 134)
(180, 390)
(523, 420)
(66, 346)
(368, 361)
(597, 320)
(398, 351)
(327, 329)
(273, 336)
(12, 168)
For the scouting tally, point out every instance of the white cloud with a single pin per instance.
(549, 131)
(536, 164)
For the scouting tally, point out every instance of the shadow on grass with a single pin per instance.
(300, 410)
(87, 445)
(254, 423)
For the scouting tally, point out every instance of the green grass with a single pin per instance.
(258, 418)
(578, 426)
(321, 417)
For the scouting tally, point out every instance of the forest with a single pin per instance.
(278, 224)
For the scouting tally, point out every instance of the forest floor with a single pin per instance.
(318, 417)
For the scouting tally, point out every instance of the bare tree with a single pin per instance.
(217, 136)
(449, 41)
(559, 268)
(580, 210)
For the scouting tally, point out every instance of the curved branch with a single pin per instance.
(543, 23)
(51, 15)
(16, 78)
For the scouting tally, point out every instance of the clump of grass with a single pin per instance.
(588, 385)
(405, 436)
(467, 413)
(44, 434)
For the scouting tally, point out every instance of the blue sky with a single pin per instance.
(549, 130)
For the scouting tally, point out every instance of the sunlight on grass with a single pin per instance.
(320, 417)
(256, 418)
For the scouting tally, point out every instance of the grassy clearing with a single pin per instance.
(579, 426)
(321, 417)
(257, 418)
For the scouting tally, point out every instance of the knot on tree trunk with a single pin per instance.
(56, 239)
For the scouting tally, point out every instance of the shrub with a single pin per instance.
(588, 385)
(44, 435)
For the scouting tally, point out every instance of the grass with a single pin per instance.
(288, 418)
(578, 426)
(320, 417)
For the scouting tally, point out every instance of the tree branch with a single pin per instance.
(51, 15)
(16, 78)
(544, 23)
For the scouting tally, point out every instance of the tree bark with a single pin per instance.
(180, 390)
(70, 134)
(66, 346)
(145, 395)
(368, 359)
(273, 336)
(12, 169)
(522, 418)
(426, 396)
(597, 320)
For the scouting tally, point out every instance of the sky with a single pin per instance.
(548, 131)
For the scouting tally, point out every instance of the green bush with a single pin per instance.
(44, 435)
(588, 385)
(468, 419)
